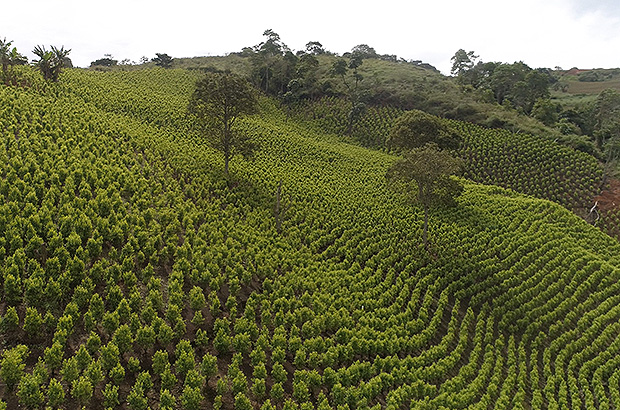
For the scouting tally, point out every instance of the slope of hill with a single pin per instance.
(528, 164)
(136, 277)
(400, 84)
(589, 82)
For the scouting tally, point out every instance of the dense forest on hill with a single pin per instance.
(135, 273)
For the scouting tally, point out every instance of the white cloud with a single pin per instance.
(541, 33)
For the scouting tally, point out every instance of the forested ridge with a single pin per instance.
(135, 274)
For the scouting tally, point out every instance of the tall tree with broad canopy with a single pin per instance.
(425, 175)
(218, 101)
(462, 61)
(415, 128)
(356, 96)
(315, 48)
(273, 64)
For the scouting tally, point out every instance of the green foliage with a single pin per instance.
(191, 398)
(217, 102)
(136, 398)
(414, 129)
(29, 391)
(425, 175)
(546, 111)
(163, 60)
(51, 62)
(208, 367)
(93, 343)
(133, 364)
(273, 64)
(55, 393)
(70, 370)
(82, 390)
(197, 298)
(166, 400)
(184, 363)
(10, 320)
(110, 395)
(340, 309)
(9, 57)
(259, 388)
(277, 392)
(462, 61)
(117, 373)
(53, 356)
(83, 358)
(12, 365)
(12, 289)
(106, 61)
(160, 361)
(123, 338)
(242, 402)
(168, 379)
(94, 372)
(109, 355)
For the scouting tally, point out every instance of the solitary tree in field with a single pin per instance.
(425, 175)
(219, 100)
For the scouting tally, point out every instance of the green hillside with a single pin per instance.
(397, 83)
(527, 163)
(133, 275)
(589, 82)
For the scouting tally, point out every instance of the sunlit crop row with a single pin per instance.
(134, 275)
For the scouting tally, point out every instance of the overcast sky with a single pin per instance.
(542, 33)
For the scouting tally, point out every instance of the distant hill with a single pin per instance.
(590, 81)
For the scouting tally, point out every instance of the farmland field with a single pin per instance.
(135, 275)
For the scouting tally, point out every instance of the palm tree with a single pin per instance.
(50, 62)
(16, 58)
(5, 54)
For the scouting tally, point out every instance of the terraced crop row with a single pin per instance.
(133, 275)
(528, 164)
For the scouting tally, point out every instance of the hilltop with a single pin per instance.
(399, 84)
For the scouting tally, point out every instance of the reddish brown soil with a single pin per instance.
(609, 199)
(575, 71)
